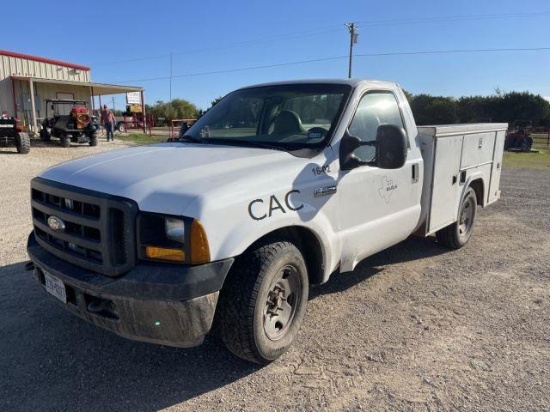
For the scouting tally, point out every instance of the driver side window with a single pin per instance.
(375, 109)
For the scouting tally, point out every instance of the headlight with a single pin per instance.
(175, 229)
(172, 239)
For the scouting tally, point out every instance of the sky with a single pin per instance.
(201, 50)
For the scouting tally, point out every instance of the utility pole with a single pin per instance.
(353, 35)
(170, 77)
(169, 114)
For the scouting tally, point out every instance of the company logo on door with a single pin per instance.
(387, 189)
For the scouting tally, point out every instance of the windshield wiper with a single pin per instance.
(190, 138)
(252, 143)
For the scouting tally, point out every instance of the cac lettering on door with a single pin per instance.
(259, 209)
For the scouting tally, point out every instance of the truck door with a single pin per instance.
(378, 207)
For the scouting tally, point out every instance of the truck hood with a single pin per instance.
(167, 177)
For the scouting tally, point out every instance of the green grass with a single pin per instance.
(140, 138)
(540, 160)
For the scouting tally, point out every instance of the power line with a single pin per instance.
(312, 32)
(329, 29)
(137, 59)
(451, 51)
(268, 66)
(454, 51)
(389, 54)
(288, 36)
(422, 20)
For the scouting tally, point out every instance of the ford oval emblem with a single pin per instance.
(56, 223)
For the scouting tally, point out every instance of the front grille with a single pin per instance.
(98, 232)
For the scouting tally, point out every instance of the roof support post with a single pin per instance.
(143, 113)
(14, 98)
(34, 127)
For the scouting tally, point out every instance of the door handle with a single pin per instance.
(415, 169)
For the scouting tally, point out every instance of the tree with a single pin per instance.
(523, 106)
(506, 108)
(475, 109)
(215, 101)
(176, 109)
(408, 95)
(501, 107)
(429, 109)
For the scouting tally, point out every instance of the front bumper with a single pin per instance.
(159, 303)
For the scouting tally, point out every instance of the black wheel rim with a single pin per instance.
(282, 302)
(466, 220)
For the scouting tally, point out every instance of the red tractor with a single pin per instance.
(12, 134)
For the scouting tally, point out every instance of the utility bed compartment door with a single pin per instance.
(445, 189)
(477, 150)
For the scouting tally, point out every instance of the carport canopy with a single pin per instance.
(96, 89)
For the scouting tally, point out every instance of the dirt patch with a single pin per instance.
(416, 327)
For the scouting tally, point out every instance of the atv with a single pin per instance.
(11, 134)
(70, 121)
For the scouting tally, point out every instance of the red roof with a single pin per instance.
(42, 59)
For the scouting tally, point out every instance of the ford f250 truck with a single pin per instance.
(274, 189)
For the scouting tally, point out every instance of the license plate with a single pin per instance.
(55, 286)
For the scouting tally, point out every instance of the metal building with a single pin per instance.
(27, 81)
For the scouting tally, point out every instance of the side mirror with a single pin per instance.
(391, 147)
(348, 145)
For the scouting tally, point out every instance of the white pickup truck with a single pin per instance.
(276, 188)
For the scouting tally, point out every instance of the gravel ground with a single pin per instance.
(416, 327)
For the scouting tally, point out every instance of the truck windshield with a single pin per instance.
(284, 117)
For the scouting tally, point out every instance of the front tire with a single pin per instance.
(93, 140)
(263, 302)
(65, 141)
(23, 143)
(458, 234)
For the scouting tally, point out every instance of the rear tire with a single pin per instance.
(64, 141)
(121, 127)
(23, 143)
(263, 302)
(93, 140)
(458, 234)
